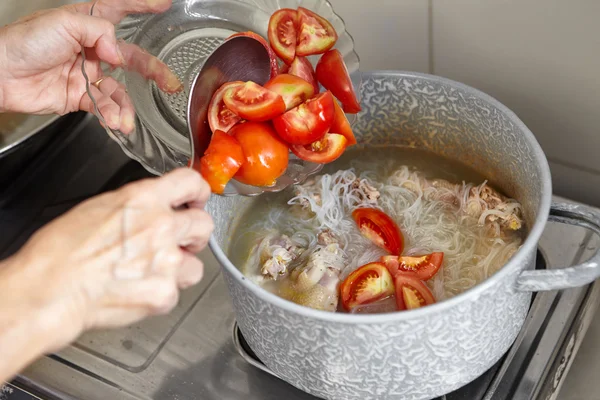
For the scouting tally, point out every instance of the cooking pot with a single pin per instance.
(430, 351)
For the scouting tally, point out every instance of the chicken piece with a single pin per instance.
(315, 284)
(493, 208)
(326, 237)
(442, 190)
(366, 191)
(273, 255)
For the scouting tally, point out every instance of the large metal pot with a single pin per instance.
(423, 353)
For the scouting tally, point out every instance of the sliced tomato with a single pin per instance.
(253, 102)
(332, 73)
(379, 228)
(323, 151)
(365, 285)
(265, 155)
(220, 118)
(411, 292)
(308, 122)
(292, 89)
(341, 125)
(283, 33)
(221, 161)
(315, 34)
(272, 56)
(424, 267)
(302, 68)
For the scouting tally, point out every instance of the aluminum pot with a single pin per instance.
(427, 352)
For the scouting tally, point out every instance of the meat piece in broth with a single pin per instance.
(274, 254)
(315, 284)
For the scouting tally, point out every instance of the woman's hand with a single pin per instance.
(109, 262)
(40, 61)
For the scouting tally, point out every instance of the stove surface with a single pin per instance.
(195, 352)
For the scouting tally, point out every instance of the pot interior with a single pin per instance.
(443, 117)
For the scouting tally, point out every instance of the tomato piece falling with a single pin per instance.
(272, 56)
(221, 161)
(332, 73)
(341, 125)
(302, 68)
(379, 228)
(308, 122)
(411, 292)
(424, 267)
(316, 35)
(253, 102)
(292, 89)
(367, 284)
(220, 118)
(323, 151)
(282, 33)
(265, 155)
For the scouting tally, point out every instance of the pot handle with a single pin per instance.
(577, 275)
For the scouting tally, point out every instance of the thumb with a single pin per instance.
(97, 33)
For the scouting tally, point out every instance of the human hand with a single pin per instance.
(40, 61)
(112, 260)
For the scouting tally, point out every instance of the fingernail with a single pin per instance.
(173, 83)
(128, 123)
(121, 57)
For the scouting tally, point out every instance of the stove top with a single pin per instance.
(196, 352)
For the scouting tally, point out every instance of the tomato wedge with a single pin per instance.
(367, 284)
(411, 292)
(315, 34)
(272, 56)
(283, 32)
(307, 122)
(220, 118)
(265, 155)
(341, 125)
(221, 161)
(424, 267)
(253, 102)
(323, 151)
(292, 89)
(332, 73)
(302, 68)
(379, 228)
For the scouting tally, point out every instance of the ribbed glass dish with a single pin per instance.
(182, 38)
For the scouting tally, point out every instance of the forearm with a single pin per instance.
(26, 330)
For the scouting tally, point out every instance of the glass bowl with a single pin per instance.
(182, 38)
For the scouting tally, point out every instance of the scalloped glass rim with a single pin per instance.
(156, 143)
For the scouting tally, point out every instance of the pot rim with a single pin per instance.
(511, 267)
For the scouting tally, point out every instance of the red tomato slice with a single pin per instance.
(253, 102)
(379, 228)
(341, 125)
(220, 118)
(272, 56)
(265, 155)
(283, 32)
(424, 267)
(315, 34)
(333, 75)
(292, 89)
(307, 122)
(323, 151)
(411, 292)
(302, 68)
(367, 284)
(221, 161)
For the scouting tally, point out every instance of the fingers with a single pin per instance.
(191, 271)
(150, 67)
(183, 186)
(157, 294)
(114, 105)
(193, 229)
(115, 10)
(93, 32)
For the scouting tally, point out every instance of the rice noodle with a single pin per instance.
(455, 219)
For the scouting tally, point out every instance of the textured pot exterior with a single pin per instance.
(423, 353)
